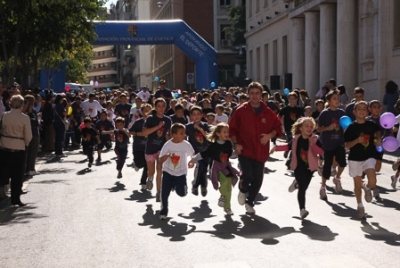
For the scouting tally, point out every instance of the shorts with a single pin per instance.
(356, 168)
(152, 157)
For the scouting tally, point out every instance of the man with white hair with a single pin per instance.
(15, 137)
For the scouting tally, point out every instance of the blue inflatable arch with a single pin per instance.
(165, 32)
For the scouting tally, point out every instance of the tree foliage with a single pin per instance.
(237, 15)
(42, 33)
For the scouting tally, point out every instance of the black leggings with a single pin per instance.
(303, 178)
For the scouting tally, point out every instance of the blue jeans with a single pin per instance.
(170, 182)
(251, 178)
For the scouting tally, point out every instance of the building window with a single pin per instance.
(224, 3)
(284, 54)
(266, 61)
(396, 24)
(258, 64)
(257, 6)
(250, 8)
(250, 64)
(275, 57)
(265, 3)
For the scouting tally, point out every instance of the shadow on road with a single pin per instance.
(315, 231)
(252, 227)
(342, 210)
(383, 202)
(344, 192)
(175, 231)
(13, 215)
(118, 187)
(200, 213)
(84, 171)
(49, 182)
(380, 234)
(140, 196)
(267, 170)
(55, 170)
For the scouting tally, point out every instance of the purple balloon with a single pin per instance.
(390, 144)
(387, 120)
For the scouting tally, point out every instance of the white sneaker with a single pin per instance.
(144, 187)
(163, 217)
(228, 211)
(322, 194)
(303, 213)
(293, 186)
(367, 193)
(249, 209)
(241, 198)
(149, 184)
(338, 185)
(221, 201)
(394, 182)
(361, 212)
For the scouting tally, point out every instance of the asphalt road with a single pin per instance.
(92, 219)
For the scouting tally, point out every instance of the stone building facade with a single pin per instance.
(304, 43)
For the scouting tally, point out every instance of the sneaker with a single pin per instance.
(98, 160)
(249, 209)
(149, 184)
(33, 173)
(375, 193)
(158, 197)
(119, 174)
(228, 211)
(195, 191)
(221, 201)
(322, 194)
(241, 198)
(333, 172)
(394, 182)
(367, 193)
(319, 170)
(204, 191)
(361, 213)
(293, 186)
(144, 187)
(338, 185)
(303, 213)
(89, 165)
(163, 217)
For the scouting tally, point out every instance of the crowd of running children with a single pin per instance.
(167, 131)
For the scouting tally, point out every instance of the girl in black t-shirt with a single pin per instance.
(305, 149)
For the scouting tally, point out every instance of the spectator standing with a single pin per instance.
(15, 137)
(391, 96)
(33, 148)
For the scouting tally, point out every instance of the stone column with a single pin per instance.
(312, 52)
(327, 54)
(298, 44)
(346, 45)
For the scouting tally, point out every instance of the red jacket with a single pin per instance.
(247, 127)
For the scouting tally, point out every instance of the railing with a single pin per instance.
(298, 3)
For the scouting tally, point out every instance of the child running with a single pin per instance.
(359, 139)
(89, 136)
(305, 149)
(222, 171)
(173, 157)
(121, 143)
(332, 142)
(139, 144)
(197, 132)
(156, 128)
(103, 125)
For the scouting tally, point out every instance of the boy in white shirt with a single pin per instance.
(173, 157)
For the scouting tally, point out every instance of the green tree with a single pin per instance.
(42, 33)
(237, 15)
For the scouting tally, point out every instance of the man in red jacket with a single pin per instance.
(252, 126)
